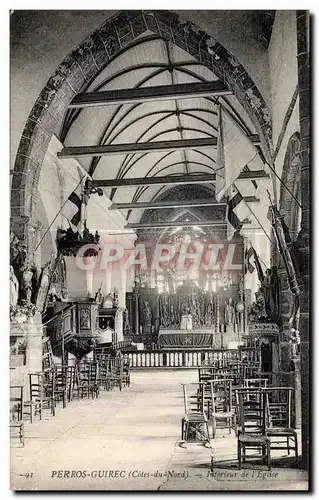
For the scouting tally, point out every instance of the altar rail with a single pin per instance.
(180, 358)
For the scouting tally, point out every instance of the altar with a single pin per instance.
(200, 338)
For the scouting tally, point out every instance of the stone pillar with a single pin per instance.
(303, 240)
(122, 287)
(89, 282)
(137, 317)
(118, 327)
(34, 346)
(108, 280)
(297, 388)
(32, 331)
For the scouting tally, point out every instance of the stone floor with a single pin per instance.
(129, 440)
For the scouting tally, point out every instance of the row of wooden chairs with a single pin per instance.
(260, 414)
(61, 383)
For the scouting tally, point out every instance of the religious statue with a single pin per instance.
(187, 321)
(271, 292)
(165, 320)
(26, 284)
(99, 296)
(115, 298)
(209, 316)
(126, 322)
(195, 312)
(230, 312)
(85, 319)
(173, 316)
(14, 290)
(258, 309)
(147, 314)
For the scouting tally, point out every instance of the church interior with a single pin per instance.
(160, 250)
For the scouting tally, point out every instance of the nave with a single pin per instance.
(160, 219)
(138, 430)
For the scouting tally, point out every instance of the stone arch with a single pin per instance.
(86, 61)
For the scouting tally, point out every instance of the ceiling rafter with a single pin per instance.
(164, 157)
(168, 54)
(144, 188)
(200, 178)
(156, 205)
(104, 137)
(150, 94)
(71, 117)
(184, 223)
(143, 147)
(123, 171)
(212, 101)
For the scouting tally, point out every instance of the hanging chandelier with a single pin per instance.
(73, 239)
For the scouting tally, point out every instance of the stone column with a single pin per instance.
(137, 317)
(34, 346)
(32, 330)
(304, 235)
(108, 280)
(122, 287)
(297, 380)
(118, 326)
(89, 282)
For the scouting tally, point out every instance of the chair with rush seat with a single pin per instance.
(251, 407)
(16, 412)
(195, 421)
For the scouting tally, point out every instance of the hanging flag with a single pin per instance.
(234, 151)
(72, 208)
(236, 211)
(249, 252)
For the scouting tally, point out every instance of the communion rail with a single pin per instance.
(180, 358)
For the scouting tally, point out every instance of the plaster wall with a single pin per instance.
(283, 73)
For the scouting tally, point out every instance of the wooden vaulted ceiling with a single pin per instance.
(151, 61)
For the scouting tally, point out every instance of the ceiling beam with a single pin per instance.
(148, 94)
(175, 204)
(143, 147)
(172, 179)
(164, 224)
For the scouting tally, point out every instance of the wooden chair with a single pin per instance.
(70, 381)
(86, 380)
(195, 421)
(42, 395)
(221, 405)
(94, 388)
(251, 405)
(126, 372)
(116, 376)
(103, 375)
(279, 426)
(16, 412)
(257, 382)
(61, 384)
(205, 374)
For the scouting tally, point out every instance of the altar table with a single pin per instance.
(203, 337)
